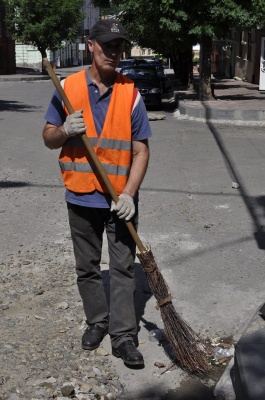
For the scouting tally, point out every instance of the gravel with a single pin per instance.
(41, 323)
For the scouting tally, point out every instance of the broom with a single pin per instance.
(188, 349)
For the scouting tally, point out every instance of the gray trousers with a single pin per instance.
(87, 227)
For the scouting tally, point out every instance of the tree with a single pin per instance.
(44, 23)
(214, 18)
(148, 25)
(176, 25)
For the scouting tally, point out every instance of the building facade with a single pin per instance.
(239, 55)
(71, 53)
(7, 46)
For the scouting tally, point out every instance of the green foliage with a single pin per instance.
(258, 10)
(173, 26)
(43, 23)
(160, 23)
(101, 3)
(107, 7)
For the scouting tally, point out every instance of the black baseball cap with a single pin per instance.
(106, 30)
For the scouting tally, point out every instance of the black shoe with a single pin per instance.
(93, 336)
(129, 353)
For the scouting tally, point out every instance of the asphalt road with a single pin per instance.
(206, 235)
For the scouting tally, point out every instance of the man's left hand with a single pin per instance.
(125, 207)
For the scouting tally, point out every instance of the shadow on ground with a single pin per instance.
(193, 387)
(8, 105)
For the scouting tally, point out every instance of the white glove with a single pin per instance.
(74, 124)
(125, 207)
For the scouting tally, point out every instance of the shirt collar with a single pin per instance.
(91, 83)
(89, 79)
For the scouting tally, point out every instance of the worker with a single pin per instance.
(112, 114)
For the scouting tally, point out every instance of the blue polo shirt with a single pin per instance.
(99, 104)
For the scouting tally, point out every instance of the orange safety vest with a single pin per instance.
(114, 145)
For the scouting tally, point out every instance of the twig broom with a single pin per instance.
(187, 347)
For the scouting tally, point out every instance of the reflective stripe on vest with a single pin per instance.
(104, 143)
(86, 167)
(114, 145)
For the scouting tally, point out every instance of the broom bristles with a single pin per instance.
(185, 344)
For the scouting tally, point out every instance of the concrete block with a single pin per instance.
(224, 390)
(250, 360)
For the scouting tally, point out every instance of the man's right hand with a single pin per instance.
(74, 124)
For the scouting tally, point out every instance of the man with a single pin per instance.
(112, 114)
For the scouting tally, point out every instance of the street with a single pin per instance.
(202, 210)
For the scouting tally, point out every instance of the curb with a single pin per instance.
(228, 117)
(199, 110)
(224, 389)
(24, 78)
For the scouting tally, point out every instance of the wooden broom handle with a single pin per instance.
(92, 154)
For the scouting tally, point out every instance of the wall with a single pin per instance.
(238, 55)
(245, 55)
(28, 56)
(137, 51)
(7, 46)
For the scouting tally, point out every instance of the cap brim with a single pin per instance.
(108, 37)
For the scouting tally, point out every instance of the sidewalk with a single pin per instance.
(235, 100)
(24, 74)
(31, 74)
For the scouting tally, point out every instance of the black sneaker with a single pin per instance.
(93, 336)
(129, 353)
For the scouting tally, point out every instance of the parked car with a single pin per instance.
(147, 81)
(138, 61)
(161, 73)
(125, 62)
